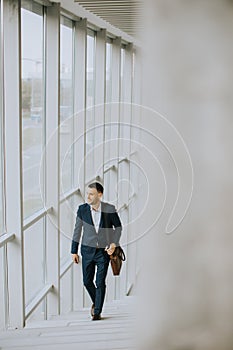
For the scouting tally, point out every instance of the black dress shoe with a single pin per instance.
(96, 317)
(92, 310)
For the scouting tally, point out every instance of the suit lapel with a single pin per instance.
(89, 216)
(102, 215)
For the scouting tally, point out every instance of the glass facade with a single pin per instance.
(41, 257)
(33, 116)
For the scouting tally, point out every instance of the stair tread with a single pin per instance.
(76, 330)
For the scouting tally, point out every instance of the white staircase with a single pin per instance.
(77, 331)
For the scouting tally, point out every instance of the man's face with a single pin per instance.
(93, 197)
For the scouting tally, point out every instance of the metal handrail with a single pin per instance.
(111, 167)
(36, 217)
(125, 159)
(126, 205)
(37, 300)
(66, 267)
(96, 178)
(123, 206)
(5, 238)
(70, 194)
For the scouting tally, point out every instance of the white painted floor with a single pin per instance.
(76, 330)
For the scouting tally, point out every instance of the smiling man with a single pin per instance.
(101, 234)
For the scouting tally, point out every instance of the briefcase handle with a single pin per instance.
(118, 252)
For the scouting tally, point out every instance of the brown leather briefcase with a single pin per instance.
(116, 260)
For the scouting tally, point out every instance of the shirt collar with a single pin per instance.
(98, 210)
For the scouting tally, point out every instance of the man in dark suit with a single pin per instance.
(101, 234)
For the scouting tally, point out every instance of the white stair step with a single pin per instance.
(77, 331)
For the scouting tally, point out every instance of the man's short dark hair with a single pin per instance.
(98, 187)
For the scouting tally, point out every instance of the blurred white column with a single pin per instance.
(186, 283)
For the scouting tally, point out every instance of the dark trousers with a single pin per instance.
(93, 258)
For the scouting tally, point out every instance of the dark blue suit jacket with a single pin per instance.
(109, 229)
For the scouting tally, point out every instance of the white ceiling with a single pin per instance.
(122, 14)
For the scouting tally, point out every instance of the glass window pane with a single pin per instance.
(90, 84)
(66, 103)
(39, 314)
(125, 99)
(90, 102)
(34, 260)
(3, 297)
(108, 100)
(32, 106)
(66, 229)
(3, 267)
(66, 292)
(1, 133)
(123, 85)
(108, 72)
(1, 194)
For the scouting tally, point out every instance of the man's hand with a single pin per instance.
(111, 248)
(75, 258)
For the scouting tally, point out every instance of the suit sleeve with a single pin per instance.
(116, 222)
(77, 232)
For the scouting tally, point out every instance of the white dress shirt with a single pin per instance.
(96, 215)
